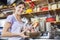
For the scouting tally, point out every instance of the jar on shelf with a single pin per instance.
(54, 6)
(42, 24)
(38, 8)
(49, 7)
(1, 6)
(57, 18)
(58, 4)
(44, 8)
(35, 9)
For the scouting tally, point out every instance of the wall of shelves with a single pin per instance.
(42, 7)
(51, 5)
(53, 9)
(41, 10)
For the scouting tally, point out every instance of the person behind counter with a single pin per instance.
(14, 24)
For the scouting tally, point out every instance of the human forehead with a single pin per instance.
(21, 5)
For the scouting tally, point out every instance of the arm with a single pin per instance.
(34, 25)
(6, 33)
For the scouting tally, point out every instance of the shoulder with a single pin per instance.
(10, 16)
(10, 19)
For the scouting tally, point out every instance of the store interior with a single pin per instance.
(46, 12)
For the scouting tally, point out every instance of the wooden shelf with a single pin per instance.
(32, 1)
(39, 13)
(58, 11)
(2, 17)
(42, 12)
(55, 22)
(58, 23)
(35, 2)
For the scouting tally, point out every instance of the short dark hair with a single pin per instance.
(20, 3)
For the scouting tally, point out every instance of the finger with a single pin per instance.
(26, 36)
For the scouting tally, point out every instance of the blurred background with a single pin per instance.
(46, 12)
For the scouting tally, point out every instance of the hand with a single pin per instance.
(32, 30)
(25, 29)
(24, 36)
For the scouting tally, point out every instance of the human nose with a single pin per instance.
(22, 9)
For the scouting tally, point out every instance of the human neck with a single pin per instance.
(18, 17)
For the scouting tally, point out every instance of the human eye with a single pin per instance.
(19, 7)
(23, 8)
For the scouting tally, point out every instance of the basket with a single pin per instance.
(32, 34)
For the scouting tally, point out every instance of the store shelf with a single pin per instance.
(42, 12)
(32, 1)
(58, 11)
(38, 13)
(2, 17)
(56, 22)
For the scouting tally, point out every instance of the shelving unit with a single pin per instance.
(41, 3)
(51, 11)
(42, 11)
(43, 7)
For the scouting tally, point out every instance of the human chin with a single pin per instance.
(19, 13)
